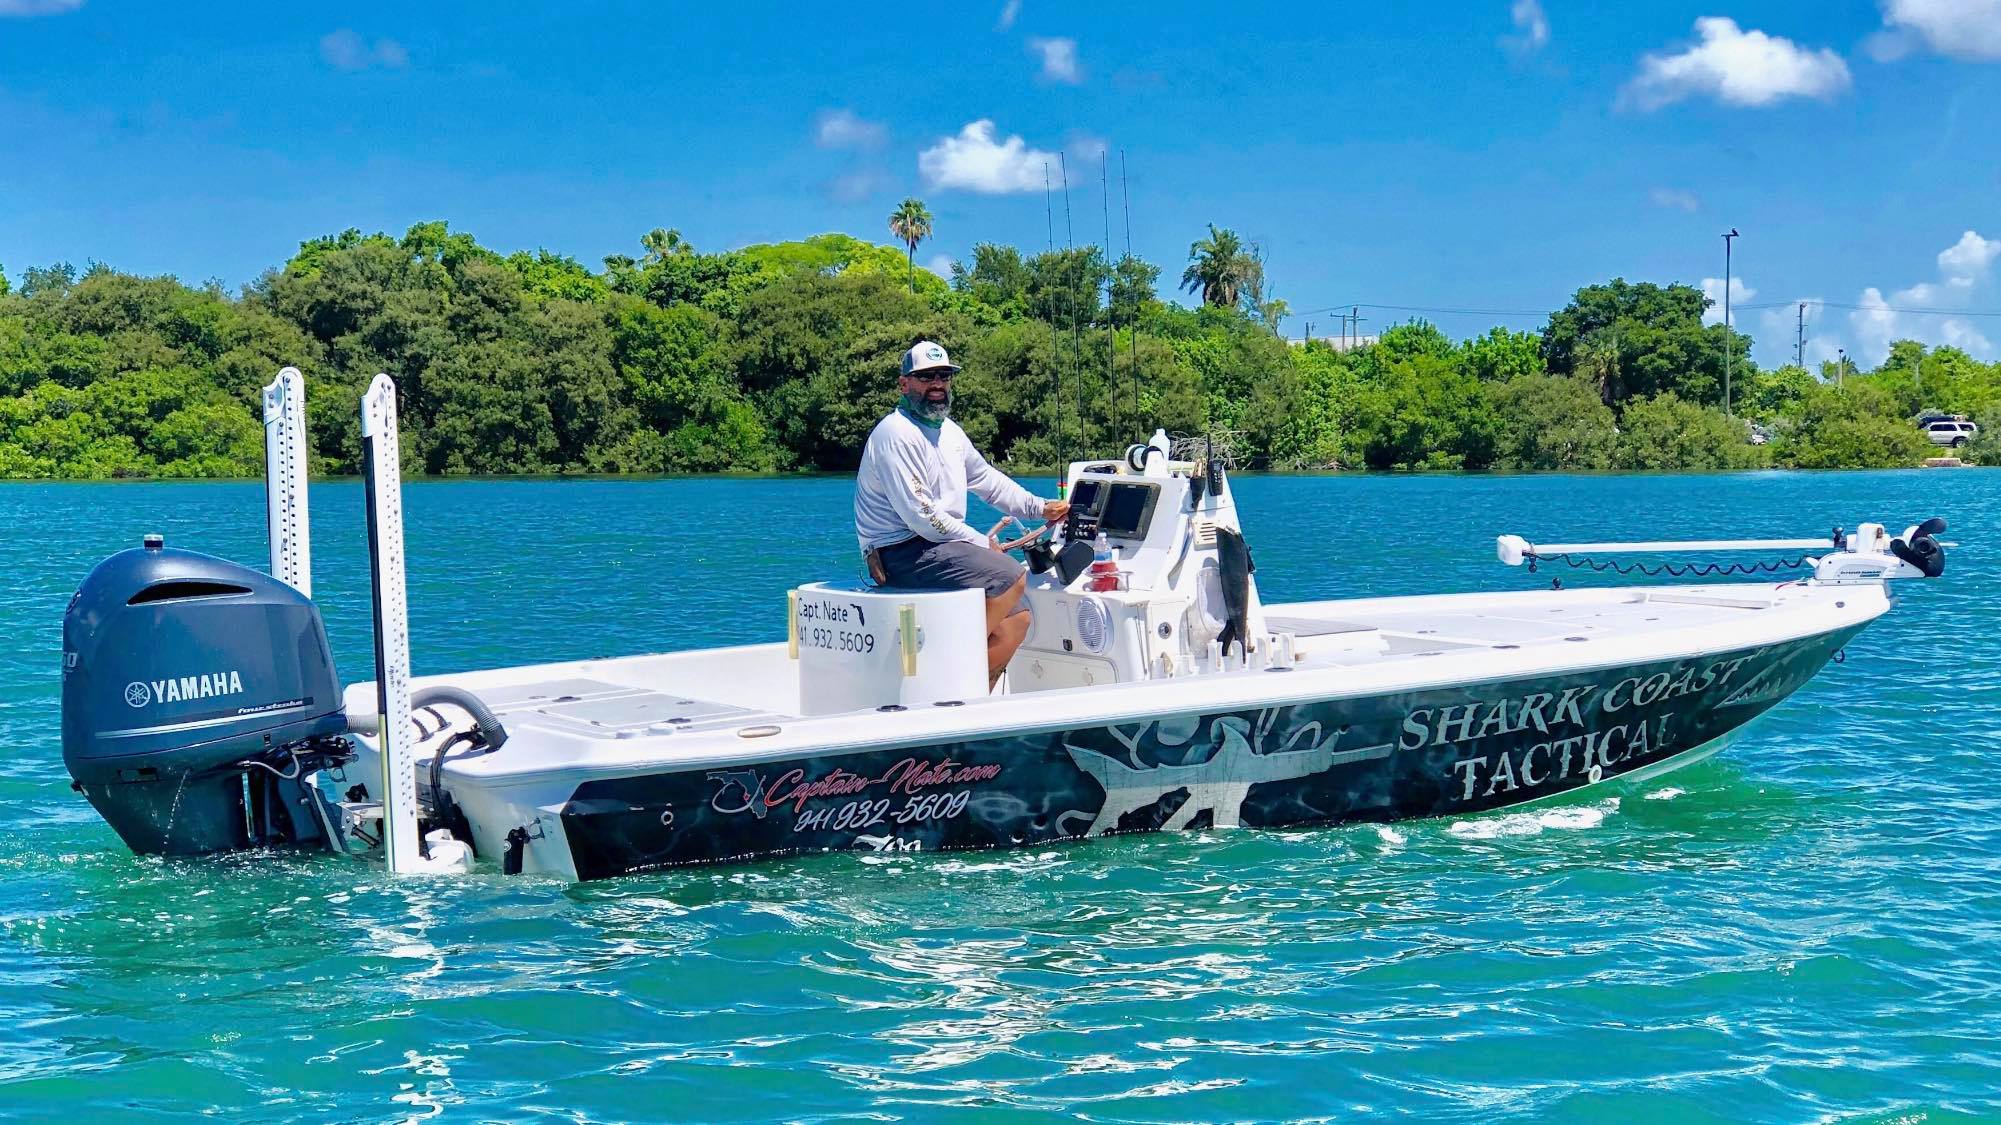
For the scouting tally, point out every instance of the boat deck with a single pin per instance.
(730, 690)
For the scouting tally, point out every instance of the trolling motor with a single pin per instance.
(1867, 554)
(1923, 550)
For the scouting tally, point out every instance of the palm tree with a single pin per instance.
(663, 244)
(911, 222)
(1599, 362)
(1217, 268)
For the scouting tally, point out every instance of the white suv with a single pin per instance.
(1952, 431)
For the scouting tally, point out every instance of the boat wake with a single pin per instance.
(1534, 822)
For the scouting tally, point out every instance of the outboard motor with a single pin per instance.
(197, 697)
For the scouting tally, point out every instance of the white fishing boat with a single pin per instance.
(201, 710)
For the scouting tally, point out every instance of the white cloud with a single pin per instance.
(38, 7)
(1875, 325)
(1879, 322)
(1531, 26)
(974, 160)
(841, 128)
(1059, 59)
(1965, 337)
(1086, 147)
(1966, 29)
(345, 50)
(1675, 199)
(1008, 15)
(855, 186)
(940, 264)
(1712, 288)
(1736, 67)
(1778, 329)
(1968, 260)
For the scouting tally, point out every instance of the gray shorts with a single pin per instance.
(923, 565)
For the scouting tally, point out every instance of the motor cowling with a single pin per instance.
(197, 696)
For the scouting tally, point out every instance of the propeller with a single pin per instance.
(1922, 552)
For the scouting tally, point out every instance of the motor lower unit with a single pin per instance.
(198, 695)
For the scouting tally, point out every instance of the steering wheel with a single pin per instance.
(1020, 541)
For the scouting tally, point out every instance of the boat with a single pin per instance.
(1157, 690)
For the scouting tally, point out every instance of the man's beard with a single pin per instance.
(922, 406)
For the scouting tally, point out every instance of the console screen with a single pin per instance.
(1127, 510)
(1084, 496)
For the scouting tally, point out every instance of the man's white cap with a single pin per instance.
(927, 356)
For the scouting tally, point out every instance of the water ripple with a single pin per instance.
(1800, 929)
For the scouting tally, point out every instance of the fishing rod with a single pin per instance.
(1055, 365)
(1111, 309)
(1076, 334)
(1125, 193)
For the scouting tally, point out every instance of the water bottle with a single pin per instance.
(1104, 565)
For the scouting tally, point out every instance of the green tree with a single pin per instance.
(1217, 268)
(1851, 427)
(1132, 289)
(1552, 422)
(661, 244)
(1667, 432)
(1985, 448)
(911, 224)
(1655, 339)
(1501, 355)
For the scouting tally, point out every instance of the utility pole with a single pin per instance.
(1799, 340)
(1840, 365)
(1727, 349)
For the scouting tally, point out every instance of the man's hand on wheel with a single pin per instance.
(1055, 510)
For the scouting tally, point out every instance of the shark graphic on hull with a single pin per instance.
(1219, 784)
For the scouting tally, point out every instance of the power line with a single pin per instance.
(1444, 311)
(1879, 308)
(1350, 305)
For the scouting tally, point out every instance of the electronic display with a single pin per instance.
(1084, 496)
(1127, 509)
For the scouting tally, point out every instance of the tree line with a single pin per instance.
(781, 356)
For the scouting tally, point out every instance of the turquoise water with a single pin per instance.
(1807, 927)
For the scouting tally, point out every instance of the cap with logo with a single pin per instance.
(927, 356)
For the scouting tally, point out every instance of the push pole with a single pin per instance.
(1727, 349)
(382, 460)
(285, 519)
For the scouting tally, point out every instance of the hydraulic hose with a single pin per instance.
(491, 733)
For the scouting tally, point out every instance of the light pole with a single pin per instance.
(1840, 366)
(1726, 318)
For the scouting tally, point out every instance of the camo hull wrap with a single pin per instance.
(1436, 752)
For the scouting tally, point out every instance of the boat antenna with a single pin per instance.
(1111, 311)
(1126, 195)
(1076, 333)
(1055, 367)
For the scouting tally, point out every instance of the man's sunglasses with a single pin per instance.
(932, 376)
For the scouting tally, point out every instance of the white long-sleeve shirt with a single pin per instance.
(913, 481)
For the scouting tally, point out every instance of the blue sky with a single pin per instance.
(1484, 155)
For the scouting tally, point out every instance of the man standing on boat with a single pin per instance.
(910, 504)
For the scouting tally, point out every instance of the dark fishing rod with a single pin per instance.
(1076, 333)
(1111, 294)
(1055, 364)
(1125, 194)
